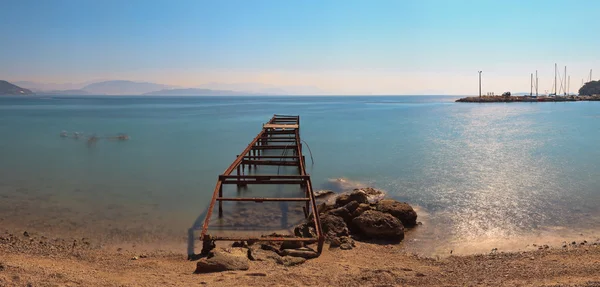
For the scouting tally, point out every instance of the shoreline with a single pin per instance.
(32, 258)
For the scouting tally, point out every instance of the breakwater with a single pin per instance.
(510, 99)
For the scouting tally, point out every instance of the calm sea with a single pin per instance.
(479, 174)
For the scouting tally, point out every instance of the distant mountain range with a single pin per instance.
(121, 87)
(7, 88)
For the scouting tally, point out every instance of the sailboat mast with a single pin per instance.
(565, 87)
(555, 67)
(531, 86)
(536, 84)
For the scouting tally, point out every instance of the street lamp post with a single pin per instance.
(479, 84)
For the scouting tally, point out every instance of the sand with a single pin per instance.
(35, 260)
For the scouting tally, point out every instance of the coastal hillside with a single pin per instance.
(590, 88)
(7, 88)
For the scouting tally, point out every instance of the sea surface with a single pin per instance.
(481, 175)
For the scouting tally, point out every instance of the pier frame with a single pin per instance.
(282, 132)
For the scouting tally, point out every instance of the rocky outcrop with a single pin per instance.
(362, 213)
(401, 210)
(378, 225)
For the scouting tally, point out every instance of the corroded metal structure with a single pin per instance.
(280, 133)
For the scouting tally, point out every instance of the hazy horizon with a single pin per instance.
(349, 47)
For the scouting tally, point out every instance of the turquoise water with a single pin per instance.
(476, 171)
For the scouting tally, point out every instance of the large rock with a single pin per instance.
(357, 195)
(400, 210)
(379, 225)
(219, 261)
(333, 226)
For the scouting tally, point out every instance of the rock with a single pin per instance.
(360, 209)
(262, 255)
(256, 254)
(324, 207)
(2, 267)
(143, 256)
(400, 210)
(305, 253)
(134, 258)
(239, 244)
(344, 212)
(219, 261)
(373, 195)
(305, 229)
(333, 226)
(323, 193)
(343, 242)
(379, 225)
(256, 274)
(291, 245)
(356, 195)
(346, 246)
(26, 234)
(290, 261)
(419, 274)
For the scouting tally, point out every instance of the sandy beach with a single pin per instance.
(33, 259)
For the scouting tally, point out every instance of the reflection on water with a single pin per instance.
(481, 176)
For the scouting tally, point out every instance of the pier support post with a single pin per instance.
(221, 202)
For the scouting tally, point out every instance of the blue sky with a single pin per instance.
(370, 47)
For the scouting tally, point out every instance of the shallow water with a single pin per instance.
(481, 174)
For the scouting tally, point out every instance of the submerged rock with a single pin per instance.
(323, 193)
(379, 225)
(373, 195)
(400, 210)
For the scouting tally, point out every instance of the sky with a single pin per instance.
(342, 47)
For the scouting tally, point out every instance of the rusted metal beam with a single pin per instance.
(264, 176)
(261, 199)
(270, 162)
(264, 147)
(240, 238)
(242, 182)
(272, 156)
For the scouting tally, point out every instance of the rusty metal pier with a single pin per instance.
(282, 132)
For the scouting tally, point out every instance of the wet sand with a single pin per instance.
(38, 260)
